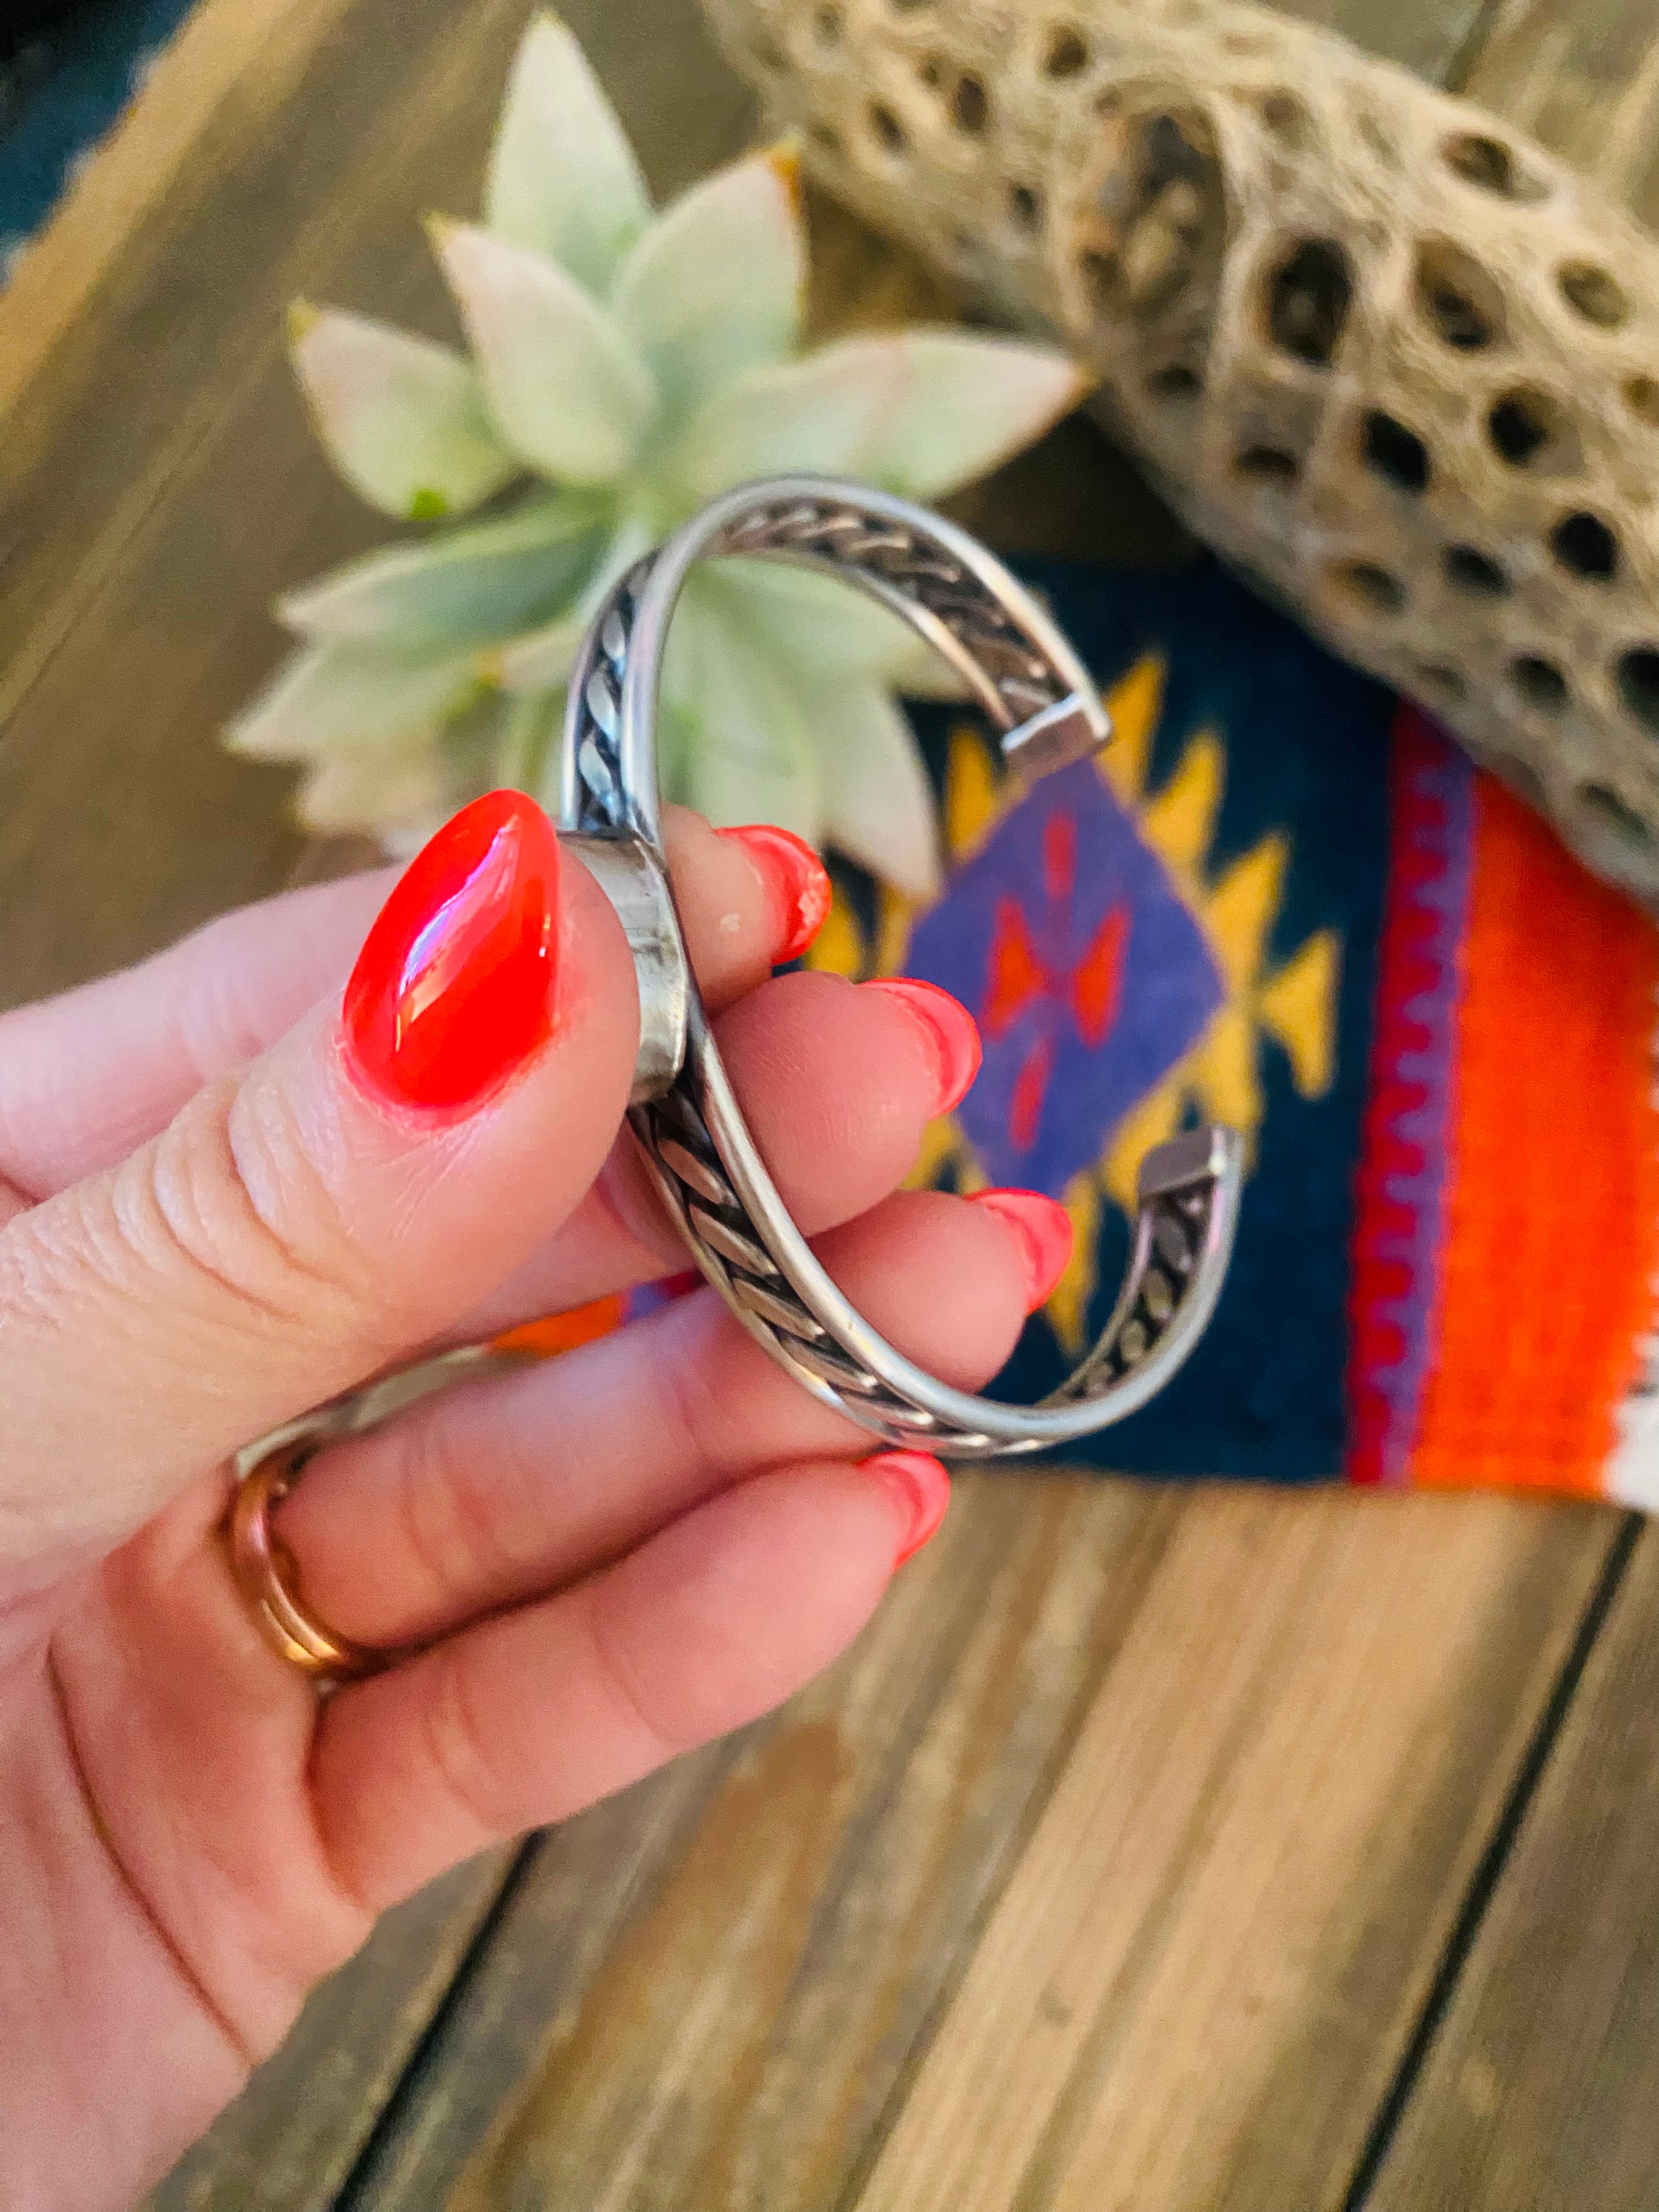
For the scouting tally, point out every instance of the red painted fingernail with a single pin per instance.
(453, 990)
(951, 1029)
(1042, 1231)
(796, 880)
(919, 1487)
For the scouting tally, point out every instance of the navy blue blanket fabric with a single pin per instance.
(63, 81)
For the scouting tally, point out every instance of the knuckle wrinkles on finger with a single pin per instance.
(232, 1199)
(461, 1751)
(621, 1684)
(448, 1513)
(694, 1410)
(214, 1027)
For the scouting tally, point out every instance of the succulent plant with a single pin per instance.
(626, 366)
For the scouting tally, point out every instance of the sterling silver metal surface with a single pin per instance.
(630, 873)
(1038, 694)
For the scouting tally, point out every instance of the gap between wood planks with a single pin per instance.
(1489, 1873)
(429, 2043)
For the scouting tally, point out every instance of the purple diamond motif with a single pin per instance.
(1087, 973)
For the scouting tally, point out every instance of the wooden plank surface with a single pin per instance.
(1541, 2085)
(1120, 1862)
(306, 2120)
(737, 2037)
(1109, 1871)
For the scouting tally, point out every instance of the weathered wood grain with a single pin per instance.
(572, 1908)
(1539, 2090)
(295, 2135)
(739, 2037)
(1111, 1870)
(1195, 1986)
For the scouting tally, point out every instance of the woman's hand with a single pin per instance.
(225, 1194)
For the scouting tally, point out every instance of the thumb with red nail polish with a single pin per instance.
(393, 1158)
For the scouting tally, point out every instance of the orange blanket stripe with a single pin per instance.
(1551, 1239)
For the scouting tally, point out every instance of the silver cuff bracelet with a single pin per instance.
(1026, 678)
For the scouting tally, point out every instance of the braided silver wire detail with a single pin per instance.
(694, 1138)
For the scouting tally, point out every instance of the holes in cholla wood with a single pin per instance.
(828, 24)
(765, 50)
(1458, 298)
(827, 139)
(889, 132)
(1637, 674)
(1156, 227)
(1492, 166)
(1365, 586)
(1607, 811)
(1584, 546)
(1471, 570)
(1594, 294)
(970, 106)
(1642, 397)
(1532, 429)
(1066, 51)
(1272, 466)
(1174, 381)
(1538, 684)
(1285, 116)
(1025, 209)
(1310, 293)
(1445, 685)
(1394, 453)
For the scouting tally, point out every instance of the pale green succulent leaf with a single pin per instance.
(401, 417)
(397, 794)
(529, 730)
(469, 586)
(877, 803)
(564, 181)
(965, 404)
(742, 749)
(832, 629)
(821, 414)
(328, 695)
(541, 659)
(715, 286)
(567, 390)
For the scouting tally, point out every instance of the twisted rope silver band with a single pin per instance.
(686, 1117)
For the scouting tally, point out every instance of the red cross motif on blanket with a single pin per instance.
(1086, 991)
(1088, 976)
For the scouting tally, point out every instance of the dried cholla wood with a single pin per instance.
(1396, 362)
